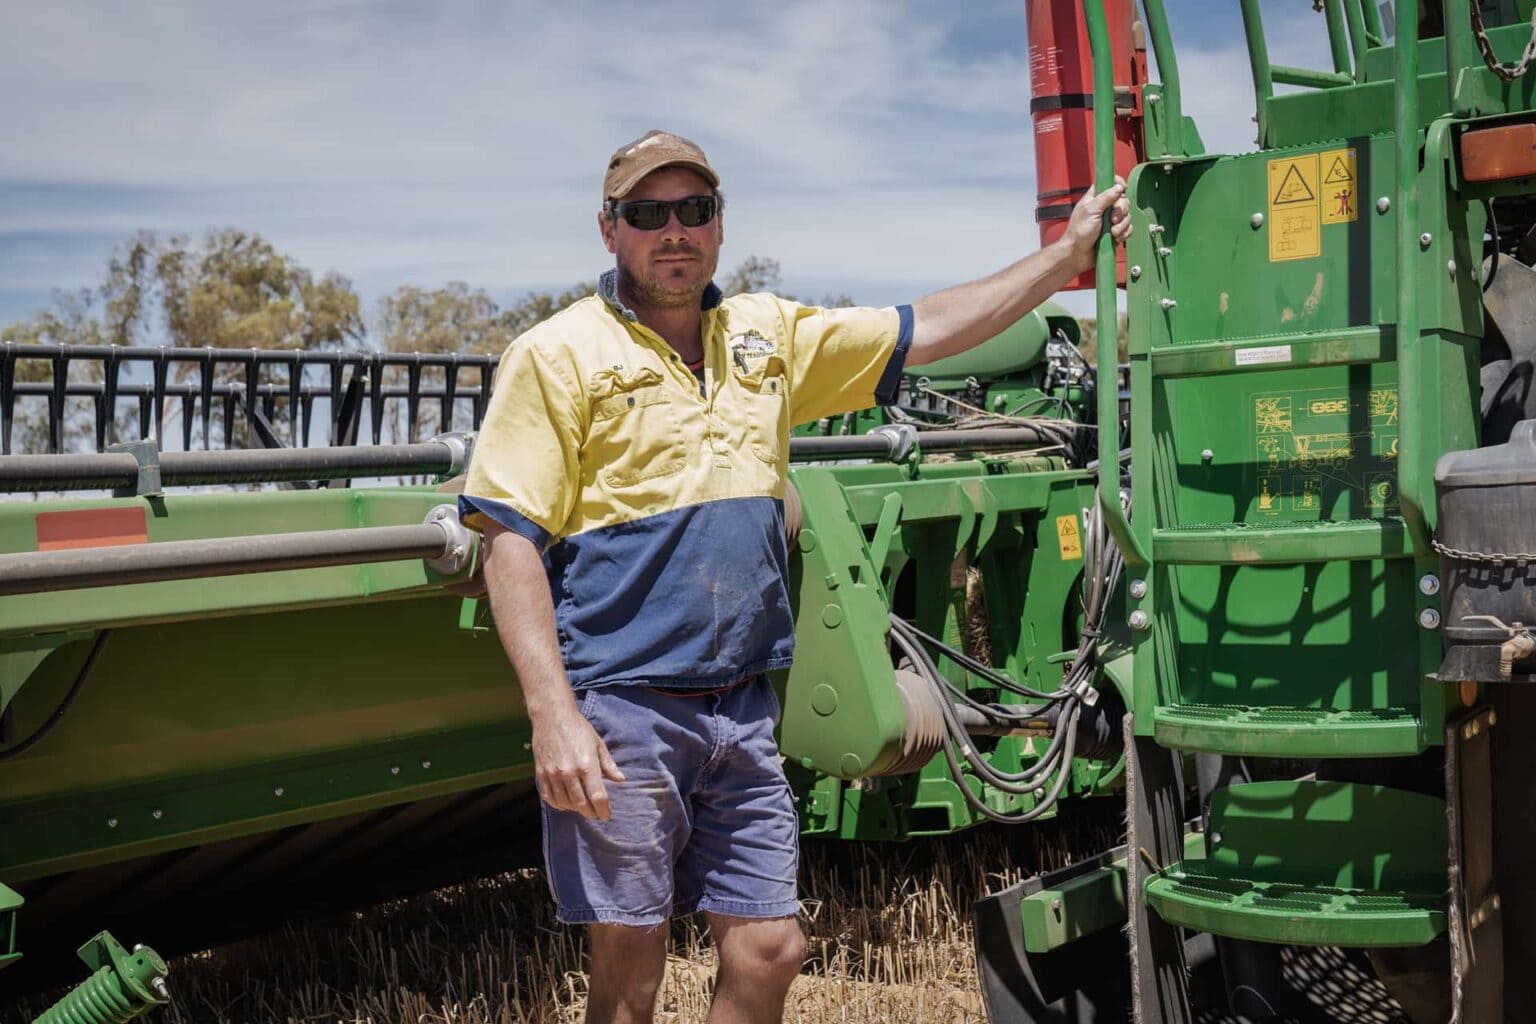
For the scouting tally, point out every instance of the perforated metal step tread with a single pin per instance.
(1188, 895)
(1289, 732)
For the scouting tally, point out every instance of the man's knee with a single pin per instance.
(767, 948)
(630, 962)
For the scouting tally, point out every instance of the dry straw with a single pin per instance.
(888, 925)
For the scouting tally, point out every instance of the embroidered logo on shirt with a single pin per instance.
(749, 351)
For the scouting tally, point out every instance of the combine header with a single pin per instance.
(244, 681)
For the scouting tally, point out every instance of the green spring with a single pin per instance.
(100, 999)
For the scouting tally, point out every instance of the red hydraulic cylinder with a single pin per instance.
(1061, 106)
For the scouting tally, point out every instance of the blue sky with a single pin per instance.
(876, 148)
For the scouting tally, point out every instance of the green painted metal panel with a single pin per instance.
(194, 516)
(1266, 421)
(206, 721)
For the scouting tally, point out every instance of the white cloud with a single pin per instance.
(423, 142)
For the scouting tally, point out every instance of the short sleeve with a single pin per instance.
(846, 359)
(524, 474)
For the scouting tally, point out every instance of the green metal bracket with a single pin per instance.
(886, 527)
(124, 985)
(475, 615)
(147, 454)
(842, 715)
(10, 911)
(1089, 898)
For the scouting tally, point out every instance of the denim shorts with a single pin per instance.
(703, 820)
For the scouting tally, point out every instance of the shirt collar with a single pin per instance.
(608, 291)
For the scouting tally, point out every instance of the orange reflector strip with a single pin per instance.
(1499, 154)
(91, 528)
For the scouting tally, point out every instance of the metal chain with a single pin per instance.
(1505, 71)
(1485, 557)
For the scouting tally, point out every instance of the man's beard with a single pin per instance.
(649, 290)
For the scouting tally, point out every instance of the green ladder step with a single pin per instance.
(1246, 544)
(1289, 732)
(1345, 347)
(1313, 862)
(1190, 896)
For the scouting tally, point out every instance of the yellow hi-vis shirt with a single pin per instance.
(659, 505)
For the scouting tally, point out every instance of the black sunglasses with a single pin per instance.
(651, 214)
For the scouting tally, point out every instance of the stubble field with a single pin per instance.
(888, 925)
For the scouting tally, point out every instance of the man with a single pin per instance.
(629, 479)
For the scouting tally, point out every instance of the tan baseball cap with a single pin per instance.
(652, 151)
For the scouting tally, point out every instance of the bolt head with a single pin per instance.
(111, 823)
(1135, 271)
(1429, 618)
(426, 764)
(1450, 267)
(1425, 239)
(1206, 455)
(158, 984)
(1257, 220)
(394, 769)
(1383, 204)
(1215, 838)
(277, 791)
(1138, 589)
(1429, 584)
(157, 814)
(1139, 620)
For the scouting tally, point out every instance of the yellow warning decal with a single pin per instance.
(1295, 223)
(1069, 538)
(1340, 186)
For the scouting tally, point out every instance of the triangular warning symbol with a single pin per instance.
(1338, 171)
(1293, 189)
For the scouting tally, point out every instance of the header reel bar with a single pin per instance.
(197, 376)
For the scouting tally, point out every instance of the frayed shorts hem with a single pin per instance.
(655, 918)
(608, 915)
(739, 908)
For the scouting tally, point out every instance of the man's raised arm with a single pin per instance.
(966, 315)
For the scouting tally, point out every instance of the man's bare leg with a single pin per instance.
(759, 958)
(627, 968)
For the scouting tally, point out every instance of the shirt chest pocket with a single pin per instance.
(763, 395)
(636, 434)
